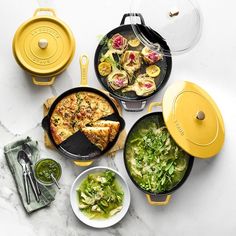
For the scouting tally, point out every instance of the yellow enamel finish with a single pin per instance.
(84, 63)
(44, 9)
(193, 119)
(158, 202)
(49, 82)
(83, 163)
(153, 104)
(44, 45)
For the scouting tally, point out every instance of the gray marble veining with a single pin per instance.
(204, 206)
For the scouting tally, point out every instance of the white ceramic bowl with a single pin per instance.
(99, 223)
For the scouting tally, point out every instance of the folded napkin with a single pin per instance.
(120, 142)
(47, 193)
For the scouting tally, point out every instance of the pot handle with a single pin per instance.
(84, 62)
(153, 104)
(156, 200)
(134, 14)
(44, 83)
(44, 9)
(133, 106)
(83, 163)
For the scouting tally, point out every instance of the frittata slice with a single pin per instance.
(113, 125)
(98, 136)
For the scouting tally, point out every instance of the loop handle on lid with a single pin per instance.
(44, 9)
(133, 14)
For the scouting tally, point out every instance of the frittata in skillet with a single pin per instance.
(82, 111)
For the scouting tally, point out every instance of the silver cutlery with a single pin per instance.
(27, 175)
(55, 181)
(27, 149)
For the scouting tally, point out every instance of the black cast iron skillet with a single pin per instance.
(132, 102)
(160, 197)
(77, 147)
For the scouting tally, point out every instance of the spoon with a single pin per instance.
(55, 181)
(21, 160)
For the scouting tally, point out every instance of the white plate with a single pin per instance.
(99, 223)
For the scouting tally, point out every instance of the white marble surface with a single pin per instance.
(205, 205)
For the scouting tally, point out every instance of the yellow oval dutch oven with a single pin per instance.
(193, 119)
(195, 123)
(44, 46)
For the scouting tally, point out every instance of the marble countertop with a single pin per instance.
(205, 205)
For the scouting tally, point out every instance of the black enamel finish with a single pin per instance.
(154, 37)
(78, 147)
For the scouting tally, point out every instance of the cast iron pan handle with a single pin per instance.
(46, 123)
(133, 106)
(122, 123)
(135, 14)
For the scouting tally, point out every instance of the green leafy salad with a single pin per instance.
(99, 195)
(155, 161)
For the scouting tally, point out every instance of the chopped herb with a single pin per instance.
(155, 161)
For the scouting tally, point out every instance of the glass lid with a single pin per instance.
(178, 22)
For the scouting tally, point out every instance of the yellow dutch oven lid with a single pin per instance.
(193, 119)
(44, 45)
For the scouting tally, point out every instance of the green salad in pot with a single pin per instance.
(155, 162)
(100, 195)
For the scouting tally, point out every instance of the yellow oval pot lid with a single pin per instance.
(193, 119)
(44, 45)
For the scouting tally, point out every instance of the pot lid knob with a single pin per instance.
(43, 43)
(200, 115)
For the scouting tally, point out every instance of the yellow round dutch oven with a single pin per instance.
(44, 46)
(195, 123)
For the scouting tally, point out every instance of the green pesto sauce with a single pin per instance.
(45, 168)
(100, 195)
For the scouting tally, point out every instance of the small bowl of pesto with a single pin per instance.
(100, 197)
(44, 169)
